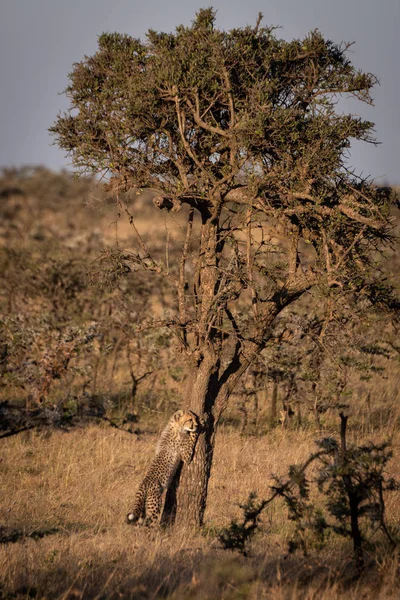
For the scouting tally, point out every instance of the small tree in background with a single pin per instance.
(239, 130)
(353, 483)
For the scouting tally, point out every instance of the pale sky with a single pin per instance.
(41, 39)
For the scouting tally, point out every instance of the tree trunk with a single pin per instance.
(187, 495)
(210, 386)
(352, 496)
(192, 493)
(193, 489)
(273, 416)
(207, 395)
(208, 398)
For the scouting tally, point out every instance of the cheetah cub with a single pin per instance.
(176, 444)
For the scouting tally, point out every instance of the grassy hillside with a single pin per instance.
(94, 393)
(63, 500)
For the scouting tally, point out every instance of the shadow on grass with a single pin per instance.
(11, 536)
(204, 573)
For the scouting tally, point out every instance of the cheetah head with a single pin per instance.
(187, 421)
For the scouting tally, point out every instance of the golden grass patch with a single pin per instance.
(64, 498)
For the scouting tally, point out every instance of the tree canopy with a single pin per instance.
(206, 116)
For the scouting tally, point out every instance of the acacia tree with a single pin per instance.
(239, 129)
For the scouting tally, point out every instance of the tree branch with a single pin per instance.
(191, 154)
(199, 121)
(182, 280)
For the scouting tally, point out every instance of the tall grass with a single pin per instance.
(63, 500)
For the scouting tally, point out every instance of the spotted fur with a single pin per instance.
(176, 444)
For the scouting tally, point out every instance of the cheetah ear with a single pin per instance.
(178, 415)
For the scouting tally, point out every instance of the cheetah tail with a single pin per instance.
(138, 508)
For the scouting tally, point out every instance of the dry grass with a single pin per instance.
(63, 500)
(64, 497)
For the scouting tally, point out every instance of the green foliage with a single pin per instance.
(123, 104)
(243, 127)
(352, 483)
(359, 474)
(237, 535)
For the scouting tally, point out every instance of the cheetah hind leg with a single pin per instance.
(137, 515)
(133, 518)
(153, 504)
